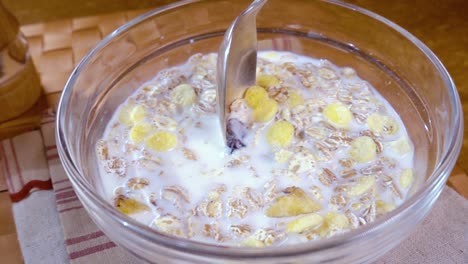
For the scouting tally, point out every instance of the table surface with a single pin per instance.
(440, 24)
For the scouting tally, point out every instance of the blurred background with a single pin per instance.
(33, 11)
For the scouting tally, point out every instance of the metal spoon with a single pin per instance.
(237, 61)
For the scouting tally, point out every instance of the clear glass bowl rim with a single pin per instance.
(434, 182)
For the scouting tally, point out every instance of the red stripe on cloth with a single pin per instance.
(63, 189)
(60, 181)
(53, 156)
(7, 168)
(67, 201)
(26, 190)
(83, 238)
(51, 147)
(15, 159)
(91, 250)
(64, 195)
(70, 209)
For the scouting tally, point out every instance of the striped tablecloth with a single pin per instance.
(30, 163)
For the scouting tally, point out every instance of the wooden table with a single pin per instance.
(441, 24)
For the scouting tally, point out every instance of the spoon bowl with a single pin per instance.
(237, 61)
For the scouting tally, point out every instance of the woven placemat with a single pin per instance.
(58, 46)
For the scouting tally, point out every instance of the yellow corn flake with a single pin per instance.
(406, 178)
(130, 206)
(283, 156)
(338, 115)
(304, 223)
(162, 141)
(280, 134)
(363, 185)
(383, 207)
(401, 146)
(336, 221)
(332, 222)
(254, 96)
(137, 114)
(295, 99)
(140, 131)
(266, 81)
(130, 115)
(363, 149)
(381, 124)
(265, 111)
(183, 95)
(295, 202)
(124, 115)
(252, 242)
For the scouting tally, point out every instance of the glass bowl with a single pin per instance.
(398, 65)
